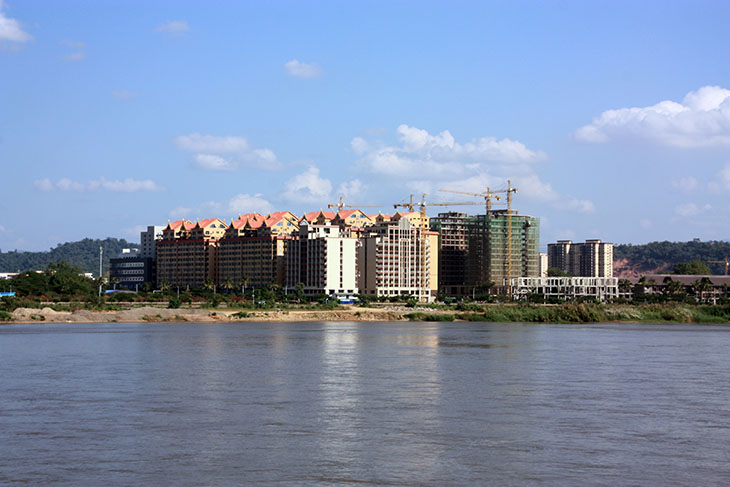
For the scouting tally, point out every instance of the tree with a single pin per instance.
(299, 290)
(557, 272)
(701, 286)
(695, 268)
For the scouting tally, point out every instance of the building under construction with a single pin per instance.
(476, 252)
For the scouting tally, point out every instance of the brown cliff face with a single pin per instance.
(624, 268)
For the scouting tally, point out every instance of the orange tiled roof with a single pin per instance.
(179, 223)
(346, 213)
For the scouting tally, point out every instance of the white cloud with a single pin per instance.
(359, 145)
(308, 187)
(127, 185)
(440, 154)
(440, 162)
(124, 94)
(43, 184)
(721, 182)
(2, 228)
(302, 70)
(210, 149)
(351, 189)
(212, 143)
(701, 120)
(10, 29)
(74, 56)
(245, 203)
(65, 184)
(180, 212)
(213, 162)
(76, 46)
(239, 204)
(73, 44)
(690, 209)
(173, 28)
(685, 184)
(645, 223)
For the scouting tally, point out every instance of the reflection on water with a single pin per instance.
(371, 403)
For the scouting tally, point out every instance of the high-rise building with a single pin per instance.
(186, 254)
(399, 257)
(148, 241)
(253, 249)
(453, 231)
(323, 258)
(503, 246)
(590, 259)
(476, 251)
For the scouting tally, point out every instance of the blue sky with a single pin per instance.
(611, 118)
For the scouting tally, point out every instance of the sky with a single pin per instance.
(611, 118)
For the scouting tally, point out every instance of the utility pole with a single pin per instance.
(101, 253)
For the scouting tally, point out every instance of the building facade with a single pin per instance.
(590, 259)
(503, 246)
(569, 288)
(130, 270)
(399, 257)
(187, 253)
(324, 259)
(253, 250)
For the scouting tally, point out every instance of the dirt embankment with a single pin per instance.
(623, 268)
(152, 314)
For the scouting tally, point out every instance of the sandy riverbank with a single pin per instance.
(152, 314)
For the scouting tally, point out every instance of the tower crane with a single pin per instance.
(726, 262)
(410, 205)
(488, 195)
(341, 204)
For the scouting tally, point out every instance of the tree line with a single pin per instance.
(83, 254)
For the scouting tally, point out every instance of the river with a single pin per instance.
(364, 403)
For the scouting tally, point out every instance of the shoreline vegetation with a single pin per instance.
(61, 294)
(566, 313)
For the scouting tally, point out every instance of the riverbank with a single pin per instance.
(563, 313)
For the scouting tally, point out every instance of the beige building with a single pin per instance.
(590, 259)
(187, 252)
(399, 257)
(253, 249)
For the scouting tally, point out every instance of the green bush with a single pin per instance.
(5, 316)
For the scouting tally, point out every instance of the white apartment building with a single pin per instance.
(600, 288)
(324, 259)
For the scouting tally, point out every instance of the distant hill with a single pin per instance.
(84, 253)
(658, 257)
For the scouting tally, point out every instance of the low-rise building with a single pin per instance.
(131, 270)
(568, 288)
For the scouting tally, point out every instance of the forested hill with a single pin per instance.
(662, 256)
(84, 253)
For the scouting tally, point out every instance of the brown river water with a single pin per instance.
(401, 403)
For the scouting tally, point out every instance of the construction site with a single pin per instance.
(480, 253)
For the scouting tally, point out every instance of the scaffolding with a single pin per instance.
(477, 252)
